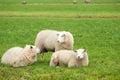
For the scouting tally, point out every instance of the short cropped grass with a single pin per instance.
(95, 27)
(100, 37)
(61, 11)
(56, 1)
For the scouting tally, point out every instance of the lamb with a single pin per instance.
(69, 58)
(51, 40)
(19, 57)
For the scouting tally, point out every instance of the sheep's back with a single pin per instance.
(11, 55)
(46, 38)
(65, 55)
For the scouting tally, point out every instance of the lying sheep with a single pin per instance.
(51, 40)
(69, 58)
(18, 57)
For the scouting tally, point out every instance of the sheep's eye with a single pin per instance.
(57, 34)
(85, 50)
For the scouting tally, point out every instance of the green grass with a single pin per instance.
(59, 10)
(95, 27)
(56, 1)
(101, 38)
(62, 10)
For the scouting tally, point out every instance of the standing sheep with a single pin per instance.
(18, 57)
(51, 40)
(69, 58)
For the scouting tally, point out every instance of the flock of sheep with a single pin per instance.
(60, 42)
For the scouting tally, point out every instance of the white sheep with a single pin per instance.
(18, 57)
(69, 58)
(51, 40)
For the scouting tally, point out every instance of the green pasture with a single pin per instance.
(95, 27)
(56, 1)
(39, 8)
(62, 10)
(100, 37)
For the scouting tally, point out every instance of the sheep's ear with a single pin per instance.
(31, 47)
(85, 50)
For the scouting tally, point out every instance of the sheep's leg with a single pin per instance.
(15, 64)
(85, 63)
(19, 64)
(42, 56)
(61, 64)
(52, 64)
(71, 64)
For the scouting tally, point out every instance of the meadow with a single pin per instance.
(95, 27)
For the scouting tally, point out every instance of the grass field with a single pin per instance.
(95, 27)
(56, 1)
(61, 10)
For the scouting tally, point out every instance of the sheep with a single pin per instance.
(24, 2)
(69, 58)
(19, 57)
(51, 40)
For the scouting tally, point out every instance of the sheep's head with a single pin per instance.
(32, 48)
(80, 53)
(61, 36)
(31, 52)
